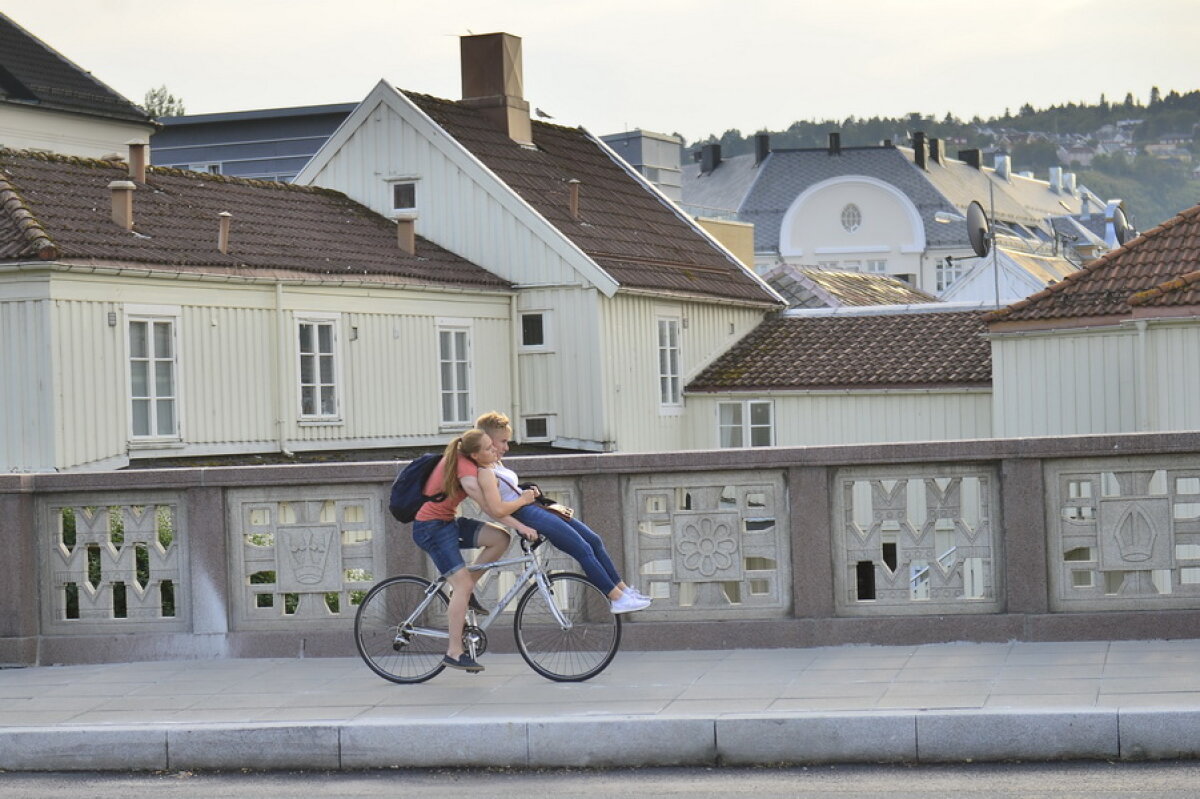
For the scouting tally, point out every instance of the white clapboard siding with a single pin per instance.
(639, 422)
(26, 380)
(1065, 383)
(459, 206)
(92, 420)
(1173, 375)
(851, 417)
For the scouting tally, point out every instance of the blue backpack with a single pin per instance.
(408, 489)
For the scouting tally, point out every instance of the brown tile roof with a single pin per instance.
(632, 234)
(905, 350)
(60, 207)
(1153, 267)
(817, 288)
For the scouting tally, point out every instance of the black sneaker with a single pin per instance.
(474, 605)
(464, 662)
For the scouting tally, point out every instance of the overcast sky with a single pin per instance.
(688, 66)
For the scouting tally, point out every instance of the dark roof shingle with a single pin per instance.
(64, 203)
(1106, 286)
(907, 350)
(818, 288)
(630, 232)
(32, 73)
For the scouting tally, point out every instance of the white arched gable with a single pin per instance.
(911, 238)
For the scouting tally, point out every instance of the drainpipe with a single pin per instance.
(1143, 375)
(514, 366)
(280, 393)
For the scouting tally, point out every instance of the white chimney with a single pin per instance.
(1069, 183)
(1056, 175)
(1003, 166)
(122, 202)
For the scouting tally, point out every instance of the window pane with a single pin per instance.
(731, 437)
(730, 413)
(164, 379)
(760, 436)
(446, 345)
(141, 417)
(532, 332)
(404, 195)
(137, 340)
(460, 375)
(139, 383)
(306, 338)
(162, 340)
(447, 376)
(447, 407)
(760, 413)
(308, 404)
(308, 369)
(326, 368)
(166, 417)
(325, 336)
(463, 411)
(328, 401)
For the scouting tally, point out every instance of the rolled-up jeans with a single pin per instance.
(577, 540)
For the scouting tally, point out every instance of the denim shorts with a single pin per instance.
(443, 540)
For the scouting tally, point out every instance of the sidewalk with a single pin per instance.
(929, 703)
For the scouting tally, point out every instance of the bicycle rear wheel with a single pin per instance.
(393, 645)
(585, 647)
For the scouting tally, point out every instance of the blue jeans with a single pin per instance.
(442, 541)
(577, 540)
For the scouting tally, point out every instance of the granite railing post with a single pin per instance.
(1024, 540)
(18, 571)
(811, 511)
(208, 556)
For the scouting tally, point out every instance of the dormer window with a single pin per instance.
(404, 196)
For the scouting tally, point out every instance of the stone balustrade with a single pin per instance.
(1036, 539)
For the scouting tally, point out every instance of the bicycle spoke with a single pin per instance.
(582, 649)
(395, 644)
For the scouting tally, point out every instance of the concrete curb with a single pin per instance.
(629, 741)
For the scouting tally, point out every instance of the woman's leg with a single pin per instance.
(593, 540)
(456, 613)
(566, 538)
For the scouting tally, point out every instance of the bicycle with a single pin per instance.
(563, 624)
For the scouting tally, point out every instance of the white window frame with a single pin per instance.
(150, 315)
(318, 320)
(851, 218)
(550, 428)
(547, 344)
(947, 275)
(395, 210)
(466, 328)
(669, 382)
(745, 426)
(877, 266)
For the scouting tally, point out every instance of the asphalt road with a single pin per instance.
(1090, 780)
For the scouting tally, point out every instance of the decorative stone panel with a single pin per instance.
(916, 540)
(113, 563)
(303, 558)
(1124, 533)
(710, 545)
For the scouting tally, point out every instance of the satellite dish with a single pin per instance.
(978, 229)
(1121, 226)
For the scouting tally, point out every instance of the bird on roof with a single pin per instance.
(542, 113)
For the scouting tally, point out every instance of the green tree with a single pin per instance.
(161, 103)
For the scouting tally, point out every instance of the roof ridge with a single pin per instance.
(36, 238)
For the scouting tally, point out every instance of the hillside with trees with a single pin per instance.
(1155, 183)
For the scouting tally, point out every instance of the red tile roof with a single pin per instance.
(908, 350)
(630, 232)
(1152, 269)
(60, 207)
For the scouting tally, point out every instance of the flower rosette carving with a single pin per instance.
(708, 549)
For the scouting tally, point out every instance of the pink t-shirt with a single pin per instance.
(444, 510)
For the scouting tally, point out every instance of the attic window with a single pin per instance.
(851, 218)
(404, 195)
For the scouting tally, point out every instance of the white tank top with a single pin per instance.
(506, 481)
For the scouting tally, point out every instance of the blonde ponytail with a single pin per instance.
(467, 444)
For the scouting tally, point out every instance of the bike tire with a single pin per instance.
(384, 647)
(571, 655)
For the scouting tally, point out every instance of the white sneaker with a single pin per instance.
(633, 592)
(627, 604)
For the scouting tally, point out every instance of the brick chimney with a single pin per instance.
(226, 220)
(972, 157)
(492, 82)
(406, 232)
(139, 156)
(835, 143)
(573, 198)
(918, 144)
(762, 147)
(937, 150)
(710, 158)
(122, 202)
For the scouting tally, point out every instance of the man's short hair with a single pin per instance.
(493, 420)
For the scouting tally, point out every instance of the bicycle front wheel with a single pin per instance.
(397, 643)
(581, 648)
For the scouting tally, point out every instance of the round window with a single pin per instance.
(851, 218)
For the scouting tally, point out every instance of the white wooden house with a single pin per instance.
(620, 297)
